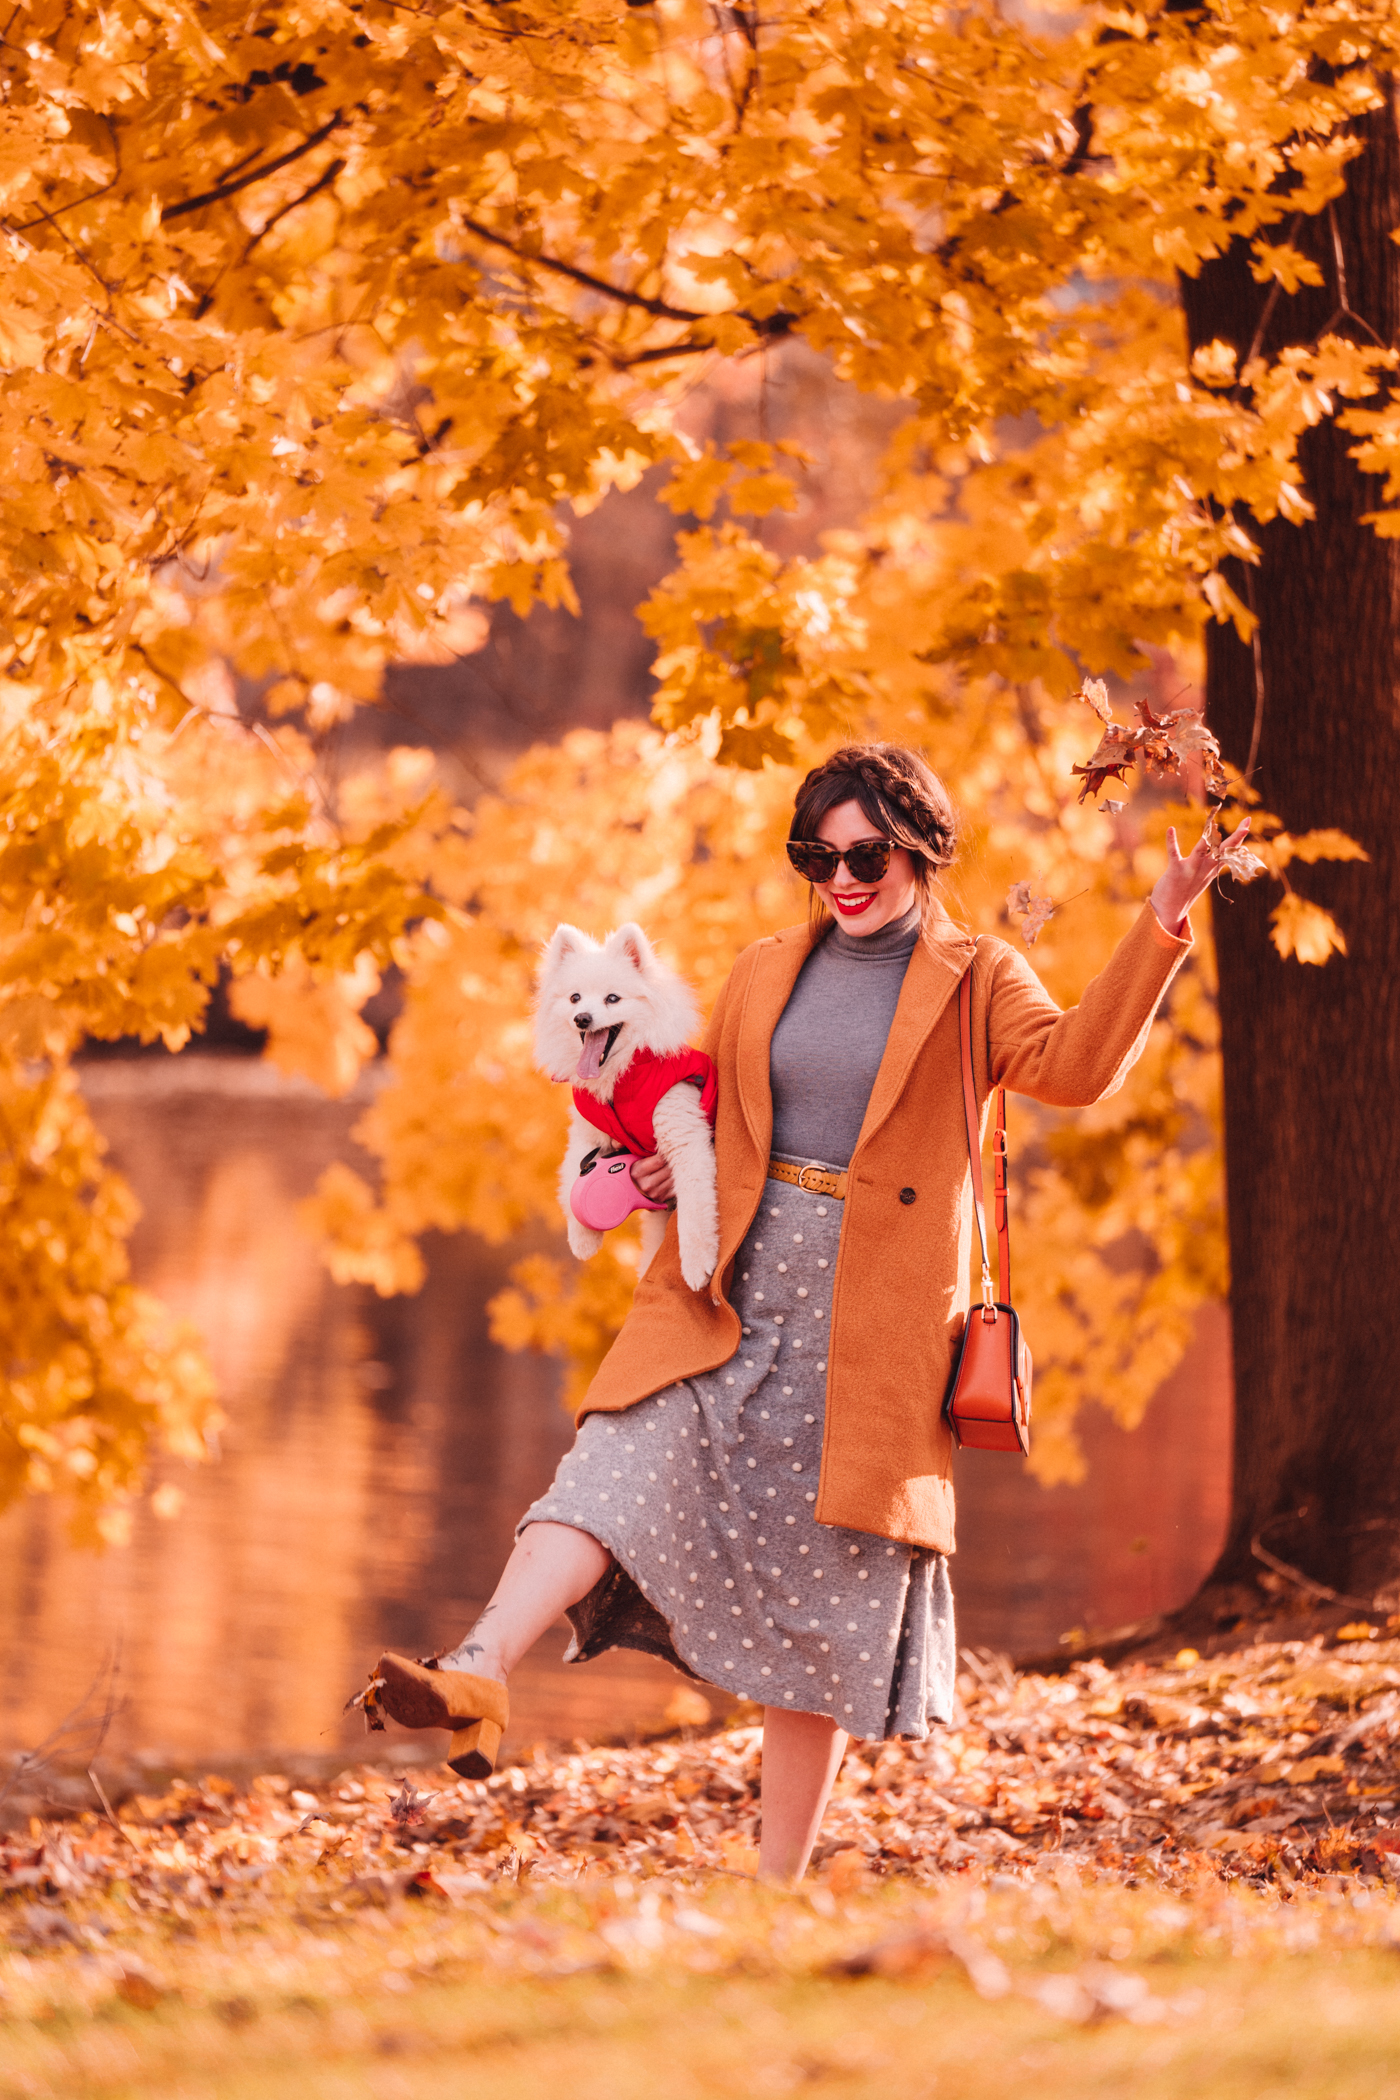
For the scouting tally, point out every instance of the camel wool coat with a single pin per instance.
(903, 1275)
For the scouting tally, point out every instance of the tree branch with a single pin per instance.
(241, 182)
(313, 189)
(657, 307)
(769, 325)
(1083, 151)
(322, 182)
(658, 354)
(1081, 159)
(50, 218)
(780, 325)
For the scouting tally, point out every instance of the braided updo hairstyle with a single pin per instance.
(901, 798)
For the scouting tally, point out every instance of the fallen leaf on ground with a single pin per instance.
(1275, 1765)
(139, 1987)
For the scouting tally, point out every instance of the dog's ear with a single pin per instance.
(632, 944)
(565, 940)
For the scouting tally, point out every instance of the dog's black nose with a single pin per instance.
(583, 1022)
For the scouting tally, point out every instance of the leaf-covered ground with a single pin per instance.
(1182, 1874)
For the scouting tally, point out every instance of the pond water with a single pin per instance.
(378, 1453)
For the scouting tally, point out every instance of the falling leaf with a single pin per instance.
(1036, 910)
(1037, 918)
(1186, 733)
(1162, 743)
(1095, 692)
(1237, 860)
(367, 1703)
(1109, 808)
(1112, 759)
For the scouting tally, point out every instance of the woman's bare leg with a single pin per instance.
(553, 1565)
(802, 1754)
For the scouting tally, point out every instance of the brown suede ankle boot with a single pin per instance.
(476, 1709)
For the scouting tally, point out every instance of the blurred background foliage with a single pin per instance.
(339, 339)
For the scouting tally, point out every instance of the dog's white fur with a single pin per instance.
(621, 981)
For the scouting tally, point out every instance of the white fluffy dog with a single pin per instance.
(615, 1022)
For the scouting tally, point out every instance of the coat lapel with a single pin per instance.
(937, 963)
(775, 973)
(935, 968)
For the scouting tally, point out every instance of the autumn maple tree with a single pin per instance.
(318, 322)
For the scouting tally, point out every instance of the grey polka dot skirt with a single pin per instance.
(703, 1494)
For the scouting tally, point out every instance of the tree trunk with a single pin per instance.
(1312, 1054)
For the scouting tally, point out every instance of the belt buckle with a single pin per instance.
(803, 1172)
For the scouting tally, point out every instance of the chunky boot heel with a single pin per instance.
(472, 1751)
(475, 1709)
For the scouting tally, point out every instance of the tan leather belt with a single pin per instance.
(815, 1180)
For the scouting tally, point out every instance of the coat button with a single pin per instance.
(906, 1195)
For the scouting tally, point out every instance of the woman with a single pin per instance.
(760, 1489)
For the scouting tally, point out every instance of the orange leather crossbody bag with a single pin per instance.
(988, 1402)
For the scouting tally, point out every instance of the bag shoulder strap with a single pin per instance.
(974, 1152)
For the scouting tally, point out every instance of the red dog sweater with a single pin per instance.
(626, 1119)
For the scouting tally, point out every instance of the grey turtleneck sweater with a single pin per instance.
(828, 1044)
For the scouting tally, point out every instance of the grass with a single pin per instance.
(623, 1990)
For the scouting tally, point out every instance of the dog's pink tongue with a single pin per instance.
(590, 1057)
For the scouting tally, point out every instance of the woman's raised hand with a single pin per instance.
(1184, 879)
